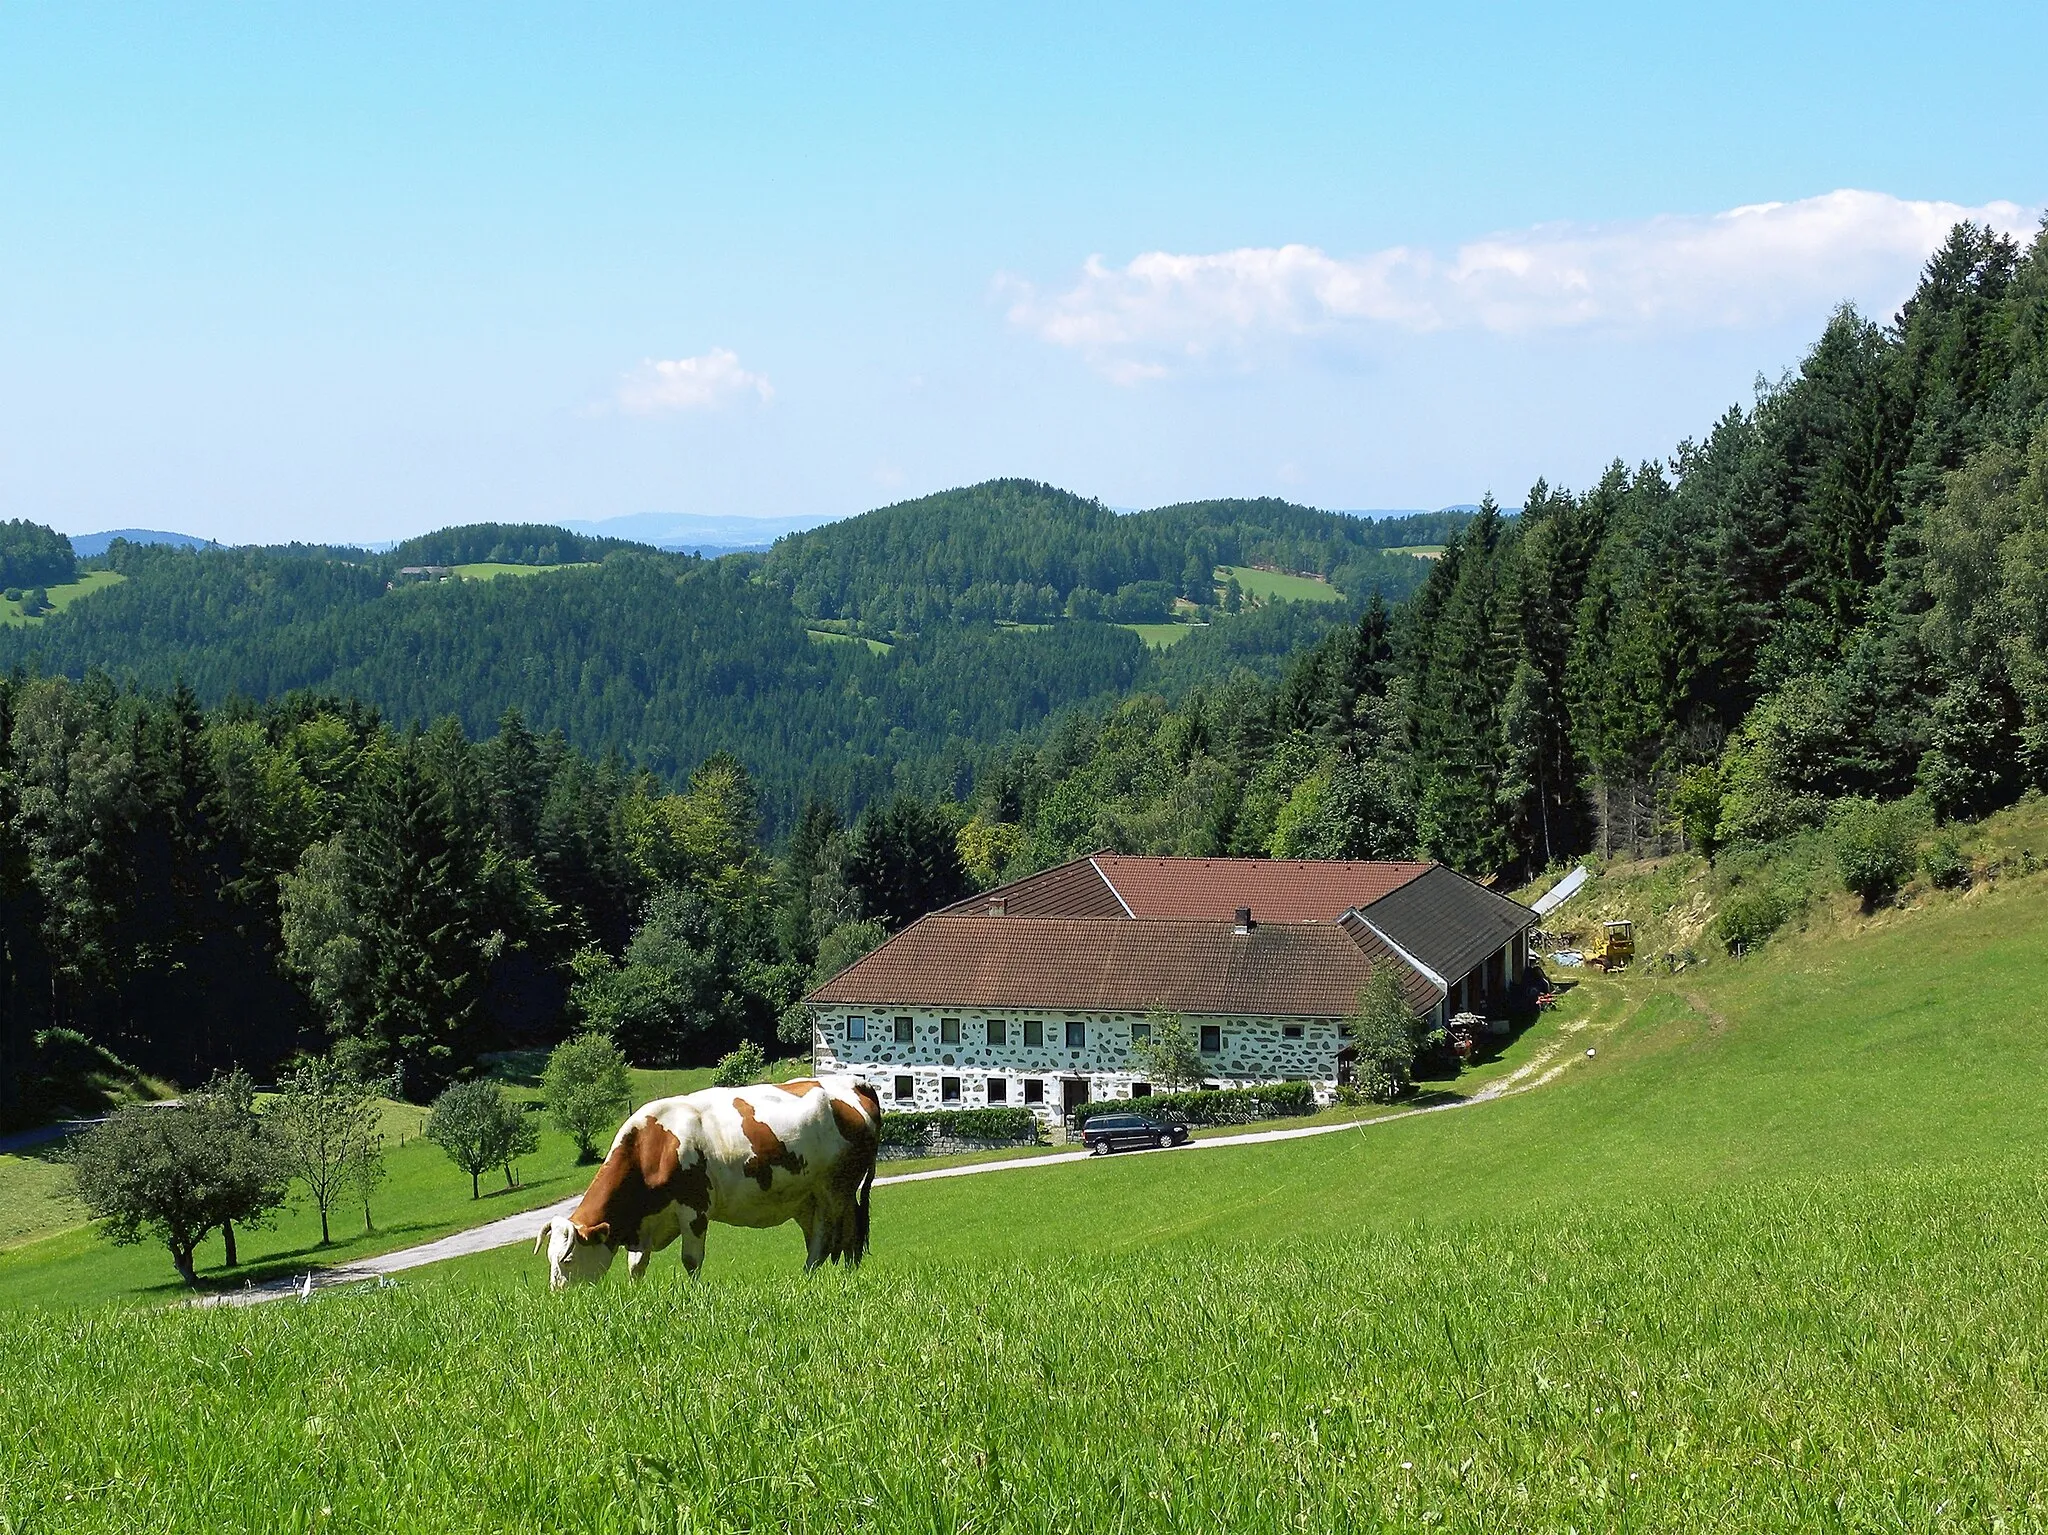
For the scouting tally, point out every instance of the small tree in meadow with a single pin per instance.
(1386, 1036)
(364, 1172)
(479, 1127)
(746, 1064)
(586, 1089)
(176, 1174)
(325, 1122)
(1169, 1054)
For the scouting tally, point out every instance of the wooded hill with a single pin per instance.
(664, 659)
(1837, 594)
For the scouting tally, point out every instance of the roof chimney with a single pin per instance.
(1244, 919)
(1000, 906)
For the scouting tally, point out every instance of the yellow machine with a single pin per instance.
(1621, 945)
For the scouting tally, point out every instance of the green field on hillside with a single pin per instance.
(490, 570)
(1420, 551)
(61, 597)
(1279, 586)
(1159, 636)
(827, 637)
(1772, 1259)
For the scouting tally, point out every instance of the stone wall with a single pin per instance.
(1253, 1050)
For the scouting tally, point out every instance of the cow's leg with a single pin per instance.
(637, 1259)
(817, 1228)
(693, 1242)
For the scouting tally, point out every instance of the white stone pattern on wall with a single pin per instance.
(1255, 1051)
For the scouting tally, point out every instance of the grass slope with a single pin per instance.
(1279, 586)
(1159, 636)
(1770, 1260)
(61, 597)
(490, 570)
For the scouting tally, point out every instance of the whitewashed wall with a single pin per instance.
(1254, 1050)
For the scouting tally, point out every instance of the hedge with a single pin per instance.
(997, 1127)
(1229, 1106)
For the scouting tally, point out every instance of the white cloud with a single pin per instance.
(1749, 266)
(689, 383)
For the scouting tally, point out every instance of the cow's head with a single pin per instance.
(576, 1254)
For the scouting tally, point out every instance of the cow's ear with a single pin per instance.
(601, 1232)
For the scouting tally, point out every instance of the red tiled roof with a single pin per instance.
(1069, 964)
(1276, 889)
(1075, 889)
(1121, 884)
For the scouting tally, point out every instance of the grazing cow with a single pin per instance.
(746, 1156)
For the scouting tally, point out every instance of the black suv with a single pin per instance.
(1105, 1133)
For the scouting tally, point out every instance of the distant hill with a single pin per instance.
(90, 545)
(664, 658)
(693, 533)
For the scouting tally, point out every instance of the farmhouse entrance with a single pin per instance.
(1073, 1093)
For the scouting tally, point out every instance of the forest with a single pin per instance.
(187, 889)
(664, 659)
(1837, 595)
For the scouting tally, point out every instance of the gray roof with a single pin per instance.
(1447, 921)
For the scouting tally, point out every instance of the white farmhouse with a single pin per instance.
(1033, 994)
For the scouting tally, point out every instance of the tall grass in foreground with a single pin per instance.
(1862, 1355)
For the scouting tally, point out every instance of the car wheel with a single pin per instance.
(1100, 1148)
(1165, 1143)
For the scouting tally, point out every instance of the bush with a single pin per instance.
(1229, 1106)
(1873, 848)
(741, 1067)
(991, 1127)
(13, 594)
(1947, 865)
(1750, 916)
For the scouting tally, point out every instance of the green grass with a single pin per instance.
(1770, 1260)
(827, 637)
(1159, 636)
(490, 570)
(1420, 551)
(35, 1197)
(1277, 586)
(61, 597)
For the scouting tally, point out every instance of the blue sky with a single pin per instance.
(355, 272)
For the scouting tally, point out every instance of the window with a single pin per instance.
(1141, 1089)
(904, 1090)
(1212, 1038)
(1290, 1031)
(1034, 1032)
(998, 1089)
(1077, 1035)
(1140, 1031)
(1343, 1031)
(1034, 1090)
(949, 1089)
(998, 1032)
(949, 1031)
(856, 1027)
(902, 1031)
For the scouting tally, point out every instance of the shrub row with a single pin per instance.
(992, 1127)
(1228, 1106)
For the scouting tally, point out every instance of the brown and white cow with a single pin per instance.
(800, 1151)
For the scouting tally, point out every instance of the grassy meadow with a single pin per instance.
(1159, 636)
(1279, 586)
(490, 570)
(1771, 1259)
(61, 597)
